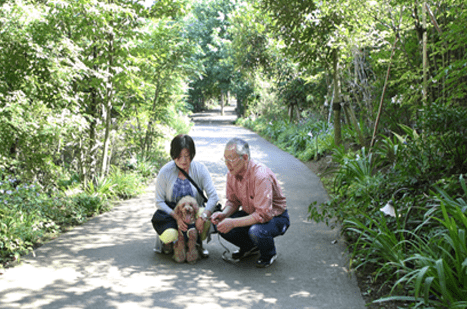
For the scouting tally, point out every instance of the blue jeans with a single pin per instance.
(260, 235)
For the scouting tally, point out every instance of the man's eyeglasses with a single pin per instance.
(230, 160)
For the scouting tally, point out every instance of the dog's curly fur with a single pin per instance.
(187, 208)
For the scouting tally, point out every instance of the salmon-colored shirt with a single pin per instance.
(257, 192)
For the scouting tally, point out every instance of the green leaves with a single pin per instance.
(432, 268)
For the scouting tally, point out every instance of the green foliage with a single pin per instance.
(447, 128)
(179, 122)
(28, 216)
(295, 92)
(452, 71)
(101, 186)
(71, 73)
(209, 26)
(126, 185)
(169, 8)
(438, 276)
(92, 204)
(379, 244)
(355, 170)
(417, 252)
(146, 168)
(357, 186)
(305, 140)
(424, 158)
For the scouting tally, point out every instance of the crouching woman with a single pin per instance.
(173, 183)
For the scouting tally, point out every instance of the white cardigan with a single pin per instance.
(198, 172)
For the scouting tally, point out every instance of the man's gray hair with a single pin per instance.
(241, 146)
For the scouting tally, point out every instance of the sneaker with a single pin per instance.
(204, 253)
(263, 263)
(167, 248)
(241, 254)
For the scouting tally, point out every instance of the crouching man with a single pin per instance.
(263, 215)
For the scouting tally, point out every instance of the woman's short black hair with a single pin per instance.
(181, 142)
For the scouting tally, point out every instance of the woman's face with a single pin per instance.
(183, 161)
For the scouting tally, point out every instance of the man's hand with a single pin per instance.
(217, 217)
(226, 225)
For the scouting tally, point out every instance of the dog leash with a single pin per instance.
(226, 256)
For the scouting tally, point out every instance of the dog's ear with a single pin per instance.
(178, 209)
(195, 207)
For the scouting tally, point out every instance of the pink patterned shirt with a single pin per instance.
(257, 192)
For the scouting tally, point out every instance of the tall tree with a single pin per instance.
(37, 102)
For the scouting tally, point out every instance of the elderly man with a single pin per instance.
(263, 214)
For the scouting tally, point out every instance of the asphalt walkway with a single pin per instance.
(109, 261)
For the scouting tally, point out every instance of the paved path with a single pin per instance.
(109, 262)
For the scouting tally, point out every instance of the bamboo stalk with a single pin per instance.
(380, 109)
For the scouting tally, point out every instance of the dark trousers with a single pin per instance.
(260, 235)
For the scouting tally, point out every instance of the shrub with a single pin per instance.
(305, 140)
(125, 185)
(28, 215)
(91, 204)
(438, 278)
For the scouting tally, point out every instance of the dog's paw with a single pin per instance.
(179, 252)
(192, 255)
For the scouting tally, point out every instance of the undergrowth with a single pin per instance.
(30, 215)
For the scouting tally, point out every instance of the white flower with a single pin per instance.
(388, 209)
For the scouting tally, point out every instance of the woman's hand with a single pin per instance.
(200, 225)
(180, 223)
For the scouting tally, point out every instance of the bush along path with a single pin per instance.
(32, 215)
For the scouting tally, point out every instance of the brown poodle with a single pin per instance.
(187, 208)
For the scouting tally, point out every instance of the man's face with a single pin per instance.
(235, 163)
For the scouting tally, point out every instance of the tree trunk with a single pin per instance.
(336, 106)
(149, 129)
(108, 109)
(353, 120)
(108, 122)
(222, 103)
(425, 56)
(82, 162)
(239, 108)
(92, 148)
